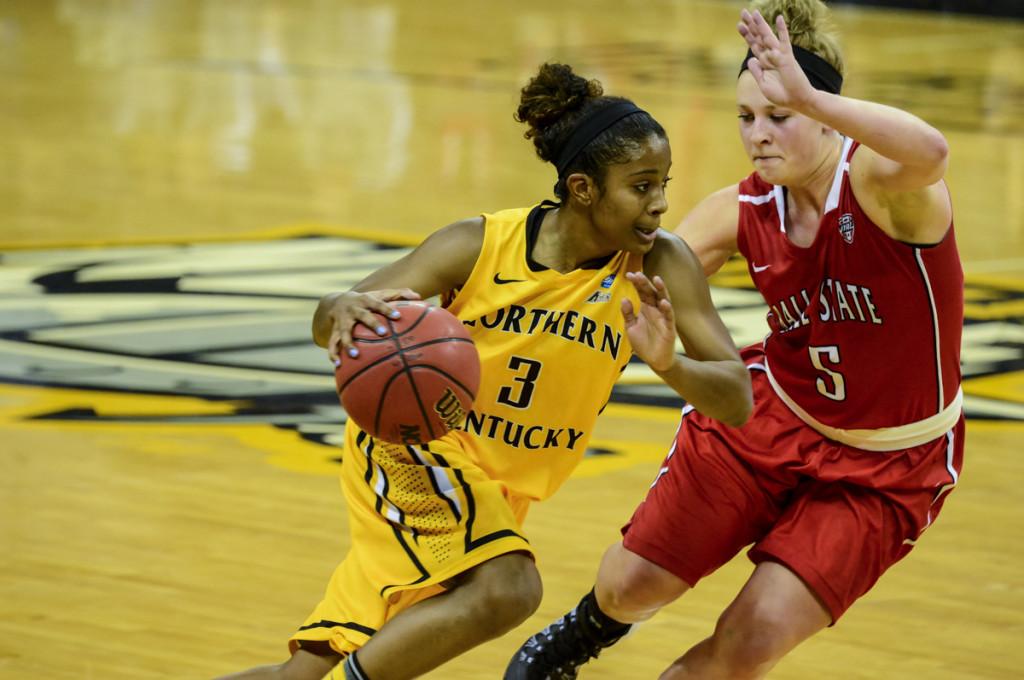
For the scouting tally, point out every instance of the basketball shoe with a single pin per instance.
(558, 651)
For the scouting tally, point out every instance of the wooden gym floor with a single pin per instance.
(179, 182)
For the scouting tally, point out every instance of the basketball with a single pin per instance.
(414, 384)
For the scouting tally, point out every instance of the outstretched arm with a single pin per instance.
(711, 228)
(675, 301)
(442, 262)
(897, 178)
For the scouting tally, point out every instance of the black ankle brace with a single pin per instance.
(602, 628)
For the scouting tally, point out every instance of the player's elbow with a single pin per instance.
(939, 147)
(318, 338)
(741, 415)
(935, 156)
(321, 326)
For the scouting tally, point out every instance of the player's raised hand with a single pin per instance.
(339, 313)
(652, 328)
(773, 65)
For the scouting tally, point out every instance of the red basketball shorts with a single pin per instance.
(835, 515)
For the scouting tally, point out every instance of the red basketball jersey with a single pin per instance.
(865, 330)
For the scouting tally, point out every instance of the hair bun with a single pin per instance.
(554, 92)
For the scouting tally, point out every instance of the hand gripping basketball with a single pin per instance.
(416, 382)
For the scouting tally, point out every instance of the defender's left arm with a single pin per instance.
(897, 173)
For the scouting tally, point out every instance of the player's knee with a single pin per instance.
(636, 589)
(749, 642)
(508, 594)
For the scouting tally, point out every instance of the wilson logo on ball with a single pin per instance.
(450, 410)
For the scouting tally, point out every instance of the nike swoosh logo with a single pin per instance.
(758, 270)
(498, 280)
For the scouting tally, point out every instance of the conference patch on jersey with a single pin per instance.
(228, 323)
(846, 227)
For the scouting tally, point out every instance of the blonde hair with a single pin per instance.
(810, 26)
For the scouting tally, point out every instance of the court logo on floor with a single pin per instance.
(229, 323)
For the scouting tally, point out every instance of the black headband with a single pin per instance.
(589, 128)
(823, 75)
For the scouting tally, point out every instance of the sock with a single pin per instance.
(601, 628)
(353, 671)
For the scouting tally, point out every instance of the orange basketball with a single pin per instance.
(414, 384)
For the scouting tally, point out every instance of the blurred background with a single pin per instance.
(181, 180)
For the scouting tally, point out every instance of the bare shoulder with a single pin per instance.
(670, 256)
(441, 262)
(470, 229)
(458, 240)
(680, 269)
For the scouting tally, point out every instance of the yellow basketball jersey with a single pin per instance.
(551, 347)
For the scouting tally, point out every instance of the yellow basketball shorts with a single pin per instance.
(418, 517)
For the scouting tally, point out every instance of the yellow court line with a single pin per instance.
(20, 402)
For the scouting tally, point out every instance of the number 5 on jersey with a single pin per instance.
(837, 390)
(520, 394)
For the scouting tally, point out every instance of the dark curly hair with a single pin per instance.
(556, 100)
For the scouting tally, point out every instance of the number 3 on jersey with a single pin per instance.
(837, 390)
(526, 372)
